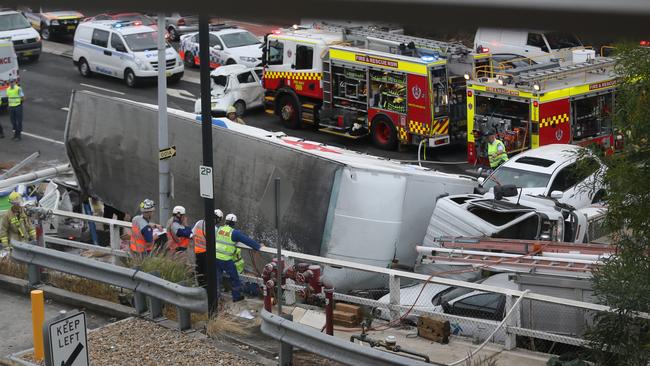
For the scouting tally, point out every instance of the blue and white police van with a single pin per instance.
(125, 50)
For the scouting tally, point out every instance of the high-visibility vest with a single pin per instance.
(138, 244)
(225, 247)
(13, 95)
(199, 238)
(174, 240)
(239, 260)
(495, 157)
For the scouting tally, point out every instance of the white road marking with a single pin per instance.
(182, 94)
(65, 109)
(100, 88)
(42, 138)
(191, 79)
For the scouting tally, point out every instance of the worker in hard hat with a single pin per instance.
(142, 230)
(226, 245)
(178, 232)
(15, 225)
(496, 150)
(198, 244)
(231, 114)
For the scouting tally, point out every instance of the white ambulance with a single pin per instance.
(8, 68)
(125, 50)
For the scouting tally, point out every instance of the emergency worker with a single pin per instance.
(177, 231)
(226, 245)
(15, 99)
(496, 150)
(142, 235)
(199, 244)
(231, 114)
(15, 224)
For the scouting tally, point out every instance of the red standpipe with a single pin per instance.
(268, 295)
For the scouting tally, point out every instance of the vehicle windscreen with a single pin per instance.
(521, 178)
(557, 40)
(239, 39)
(13, 21)
(142, 41)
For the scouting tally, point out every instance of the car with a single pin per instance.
(52, 22)
(131, 16)
(178, 24)
(124, 50)
(26, 40)
(553, 171)
(228, 45)
(235, 85)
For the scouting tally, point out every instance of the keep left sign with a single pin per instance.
(65, 339)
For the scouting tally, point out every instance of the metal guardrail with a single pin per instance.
(186, 299)
(311, 340)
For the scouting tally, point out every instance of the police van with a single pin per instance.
(8, 68)
(122, 49)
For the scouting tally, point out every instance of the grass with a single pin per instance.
(171, 267)
(12, 268)
(84, 286)
(224, 323)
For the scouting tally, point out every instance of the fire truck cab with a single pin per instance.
(358, 83)
(542, 104)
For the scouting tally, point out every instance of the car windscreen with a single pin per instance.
(520, 178)
(146, 41)
(13, 21)
(557, 40)
(239, 39)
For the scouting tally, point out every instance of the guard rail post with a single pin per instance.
(33, 275)
(114, 232)
(155, 305)
(184, 319)
(394, 297)
(140, 302)
(512, 321)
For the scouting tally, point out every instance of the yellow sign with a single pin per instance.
(167, 153)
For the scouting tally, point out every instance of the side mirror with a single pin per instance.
(557, 195)
(480, 180)
(218, 46)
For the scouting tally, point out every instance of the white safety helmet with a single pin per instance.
(219, 214)
(231, 109)
(180, 210)
(231, 218)
(147, 205)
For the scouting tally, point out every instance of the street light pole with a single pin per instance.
(163, 136)
(206, 130)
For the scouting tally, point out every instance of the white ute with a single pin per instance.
(234, 85)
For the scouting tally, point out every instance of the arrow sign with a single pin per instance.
(73, 356)
(167, 153)
(182, 94)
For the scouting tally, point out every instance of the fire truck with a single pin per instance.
(542, 104)
(355, 82)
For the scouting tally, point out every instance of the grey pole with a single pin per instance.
(279, 245)
(163, 136)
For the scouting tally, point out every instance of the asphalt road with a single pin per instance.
(49, 82)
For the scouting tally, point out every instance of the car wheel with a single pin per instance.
(189, 59)
(230, 62)
(45, 32)
(240, 106)
(130, 79)
(383, 134)
(289, 112)
(174, 79)
(173, 34)
(84, 68)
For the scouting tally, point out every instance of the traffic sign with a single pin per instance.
(205, 181)
(167, 153)
(66, 343)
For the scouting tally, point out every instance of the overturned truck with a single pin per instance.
(333, 202)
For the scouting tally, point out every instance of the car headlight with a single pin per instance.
(247, 59)
(54, 22)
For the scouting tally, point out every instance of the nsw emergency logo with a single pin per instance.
(416, 91)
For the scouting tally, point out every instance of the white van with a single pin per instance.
(125, 50)
(539, 46)
(27, 41)
(8, 68)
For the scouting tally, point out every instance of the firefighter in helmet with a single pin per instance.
(15, 225)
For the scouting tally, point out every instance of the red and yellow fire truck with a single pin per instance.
(542, 104)
(358, 82)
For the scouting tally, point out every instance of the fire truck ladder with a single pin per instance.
(361, 34)
(529, 262)
(601, 63)
(520, 246)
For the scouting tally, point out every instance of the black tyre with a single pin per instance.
(84, 68)
(289, 111)
(174, 79)
(45, 32)
(130, 79)
(240, 106)
(383, 133)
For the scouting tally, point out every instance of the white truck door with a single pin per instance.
(118, 53)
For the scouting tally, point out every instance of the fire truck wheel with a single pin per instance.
(383, 134)
(289, 111)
